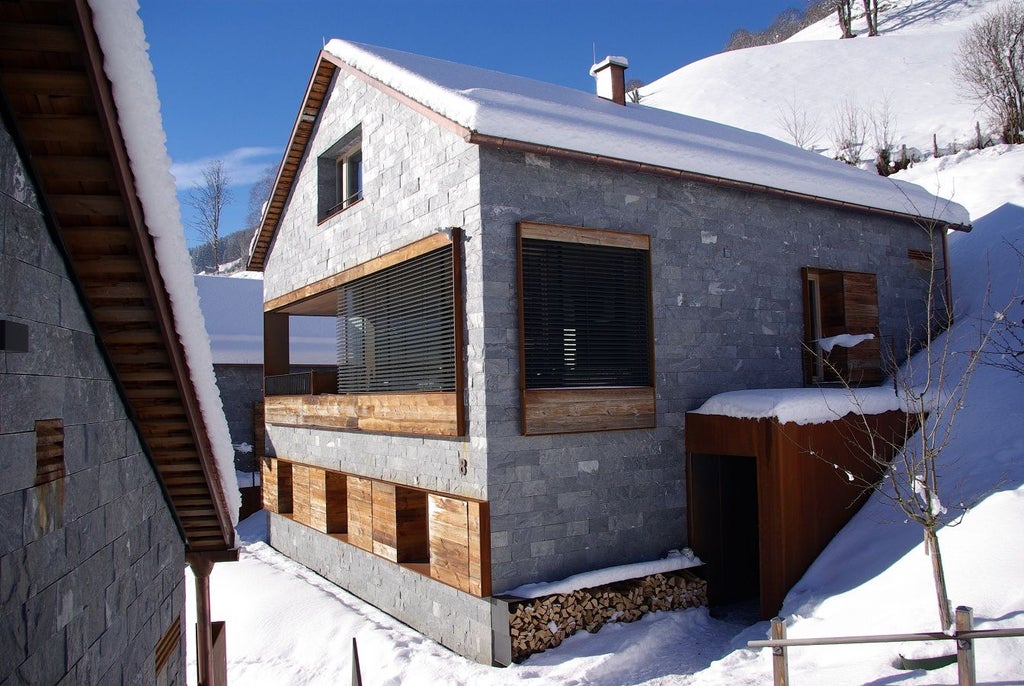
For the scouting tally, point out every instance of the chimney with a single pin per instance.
(610, 74)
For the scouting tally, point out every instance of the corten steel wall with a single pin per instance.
(728, 315)
(91, 566)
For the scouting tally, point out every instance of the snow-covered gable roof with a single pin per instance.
(109, 192)
(493, 108)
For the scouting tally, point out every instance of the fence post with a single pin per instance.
(966, 673)
(780, 666)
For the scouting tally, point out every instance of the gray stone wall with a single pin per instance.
(92, 565)
(241, 387)
(418, 178)
(454, 619)
(728, 315)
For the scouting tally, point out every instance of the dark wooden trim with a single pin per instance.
(578, 410)
(397, 256)
(433, 414)
(459, 324)
(167, 644)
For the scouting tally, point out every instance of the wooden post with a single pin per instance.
(780, 666)
(966, 673)
(201, 568)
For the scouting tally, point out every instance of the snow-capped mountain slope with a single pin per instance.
(909, 65)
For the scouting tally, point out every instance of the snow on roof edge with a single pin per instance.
(522, 109)
(802, 405)
(127, 65)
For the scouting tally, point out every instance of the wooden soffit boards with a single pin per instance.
(51, 73)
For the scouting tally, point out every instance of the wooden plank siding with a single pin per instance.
(444, 536)
(567, 410)
(422, 414)
(276, 478)
(66, 122)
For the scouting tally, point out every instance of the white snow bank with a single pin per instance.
(127, 66)
(802, 405)
(517, 108)
(674, 561)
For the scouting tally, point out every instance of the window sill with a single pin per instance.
(340, 210)
(578, 410)
(434, 413)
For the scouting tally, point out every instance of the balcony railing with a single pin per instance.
(303, 383)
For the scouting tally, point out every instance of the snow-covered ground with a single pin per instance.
(286, 625)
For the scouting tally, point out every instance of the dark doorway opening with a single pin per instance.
(724, 527)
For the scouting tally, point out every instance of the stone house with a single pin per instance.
(112, 443)
(532, 285)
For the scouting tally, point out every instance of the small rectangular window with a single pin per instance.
(841, 334)
(340, 175)
(49, 450)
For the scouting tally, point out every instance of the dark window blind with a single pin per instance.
(585, 315)
(396, 328)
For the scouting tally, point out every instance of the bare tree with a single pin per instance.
(883, 127)
(1007, 350)
(932, 385)
(844, 11)
(633, 87)
(801, 127)
(208, 199)
(848, 131)
(990, 61)
(871, 15)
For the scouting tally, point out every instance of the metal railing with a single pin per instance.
(964, 634)
(303, 383)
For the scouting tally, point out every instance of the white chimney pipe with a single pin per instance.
(610, 74)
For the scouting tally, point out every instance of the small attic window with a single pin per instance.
(340, 175)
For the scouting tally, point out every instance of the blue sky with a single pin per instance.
(231, 73)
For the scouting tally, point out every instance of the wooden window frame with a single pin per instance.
(584, 409)
(339, 168)
(426, 413)
(856, 366)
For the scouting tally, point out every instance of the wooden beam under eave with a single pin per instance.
(39, 128)
(38, 38)
(52, 83)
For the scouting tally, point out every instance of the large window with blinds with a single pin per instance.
(396, 327)
(585, 315)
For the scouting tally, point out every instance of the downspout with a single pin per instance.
(202, 566)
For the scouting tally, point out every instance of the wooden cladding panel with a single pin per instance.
(167, 644)
(276, 477)
(400, 523)
(570, 410)
(49, 450)
(360, 512)
(425, 414)
(301, 506)
(575, 234)
(320, 499)
(459, 549)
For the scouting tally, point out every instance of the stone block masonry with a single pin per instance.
(91, 563)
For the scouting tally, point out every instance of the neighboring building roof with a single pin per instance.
(80, 87)
(501, 110)
(233, 310)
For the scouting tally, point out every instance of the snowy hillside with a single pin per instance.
(909, 65)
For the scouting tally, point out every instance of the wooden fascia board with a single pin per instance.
(294, 152)
(107, 115)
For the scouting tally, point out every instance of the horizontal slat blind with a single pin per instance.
(585, 315)
(396, 327)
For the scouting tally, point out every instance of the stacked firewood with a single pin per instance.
(541, 623)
